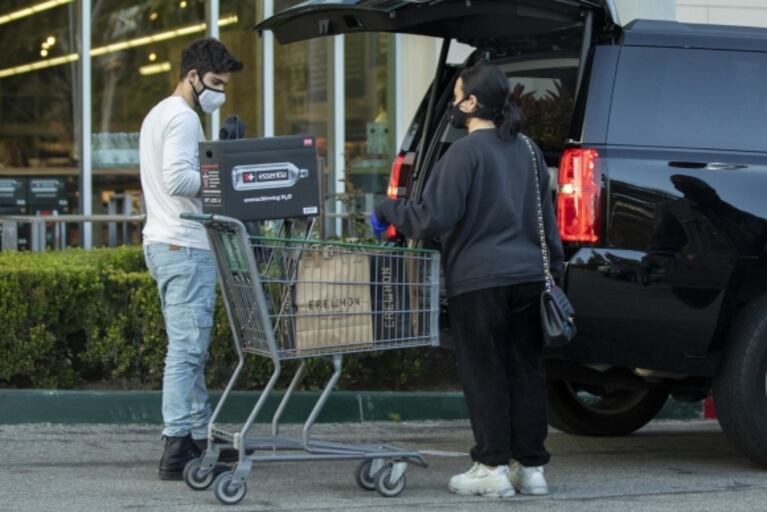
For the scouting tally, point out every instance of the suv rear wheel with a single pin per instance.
(601, 411)
(740, 389)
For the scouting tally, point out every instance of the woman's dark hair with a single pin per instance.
(491, 88)
(207, 55)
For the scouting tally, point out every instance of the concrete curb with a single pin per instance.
(124, 407)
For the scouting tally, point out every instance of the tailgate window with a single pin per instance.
(544, 90)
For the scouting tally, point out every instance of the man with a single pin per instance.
(176, 251)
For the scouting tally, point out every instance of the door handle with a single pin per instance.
(709, 166)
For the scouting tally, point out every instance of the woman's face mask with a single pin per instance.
(458, 117)
(209, 99)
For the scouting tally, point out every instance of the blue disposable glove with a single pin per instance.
(379, 228)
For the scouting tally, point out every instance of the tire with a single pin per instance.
(386, 489)
(740, 388)
(362, 476)
(599, 411)
(192, 476)
(222, 488)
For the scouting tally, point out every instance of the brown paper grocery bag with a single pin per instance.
(333, 306)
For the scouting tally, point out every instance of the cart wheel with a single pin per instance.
(225, 491)
(387, 489)
(194, 479)
(362, 476)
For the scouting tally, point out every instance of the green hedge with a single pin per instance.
(79, 318)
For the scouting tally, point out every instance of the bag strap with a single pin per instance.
(541, 227)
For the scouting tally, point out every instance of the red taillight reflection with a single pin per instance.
(578, 197)
(394, 181)
(396, 187)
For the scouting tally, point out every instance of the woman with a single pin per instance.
(480, 201)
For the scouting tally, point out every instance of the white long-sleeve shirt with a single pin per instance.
(170, 175)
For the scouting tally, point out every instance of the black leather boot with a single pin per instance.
(224, 455)
(178, 451)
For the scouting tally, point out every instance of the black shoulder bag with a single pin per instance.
(557, 313)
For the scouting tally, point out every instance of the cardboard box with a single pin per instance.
(260, 179)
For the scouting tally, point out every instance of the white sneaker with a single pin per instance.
(483, 480)
(528, 480)
(458, 479)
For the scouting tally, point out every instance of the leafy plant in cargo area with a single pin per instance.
(545, 117)
(81, 319)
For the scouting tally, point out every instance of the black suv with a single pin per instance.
(656, 136)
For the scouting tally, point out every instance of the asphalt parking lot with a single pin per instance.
(668, 465)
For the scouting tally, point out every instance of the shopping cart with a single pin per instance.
(297, 298)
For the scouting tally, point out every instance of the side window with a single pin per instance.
(688, 98)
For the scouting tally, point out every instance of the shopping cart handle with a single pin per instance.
(199, 217)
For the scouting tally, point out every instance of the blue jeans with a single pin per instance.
(186, 279)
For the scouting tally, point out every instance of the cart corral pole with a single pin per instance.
(86, 168)
(268, 72)
(211, 18)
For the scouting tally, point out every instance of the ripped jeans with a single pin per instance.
(186, 280)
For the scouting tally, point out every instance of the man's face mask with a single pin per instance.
(458, 117)
(209, 99)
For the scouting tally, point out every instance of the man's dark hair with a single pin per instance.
(206, 55)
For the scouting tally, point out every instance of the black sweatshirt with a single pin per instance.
(480, 201)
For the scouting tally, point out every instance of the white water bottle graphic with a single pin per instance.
(266, 176)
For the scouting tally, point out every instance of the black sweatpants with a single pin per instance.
(498, 346)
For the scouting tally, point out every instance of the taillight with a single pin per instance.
(578, 198)
(397, 189)
(394, 181)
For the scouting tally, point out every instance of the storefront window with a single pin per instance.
(37, 128)
(129, 81)
(302, 100)
(370, 143)
(302, 89)
(38, 102)
(136, 49)
(244, 94)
